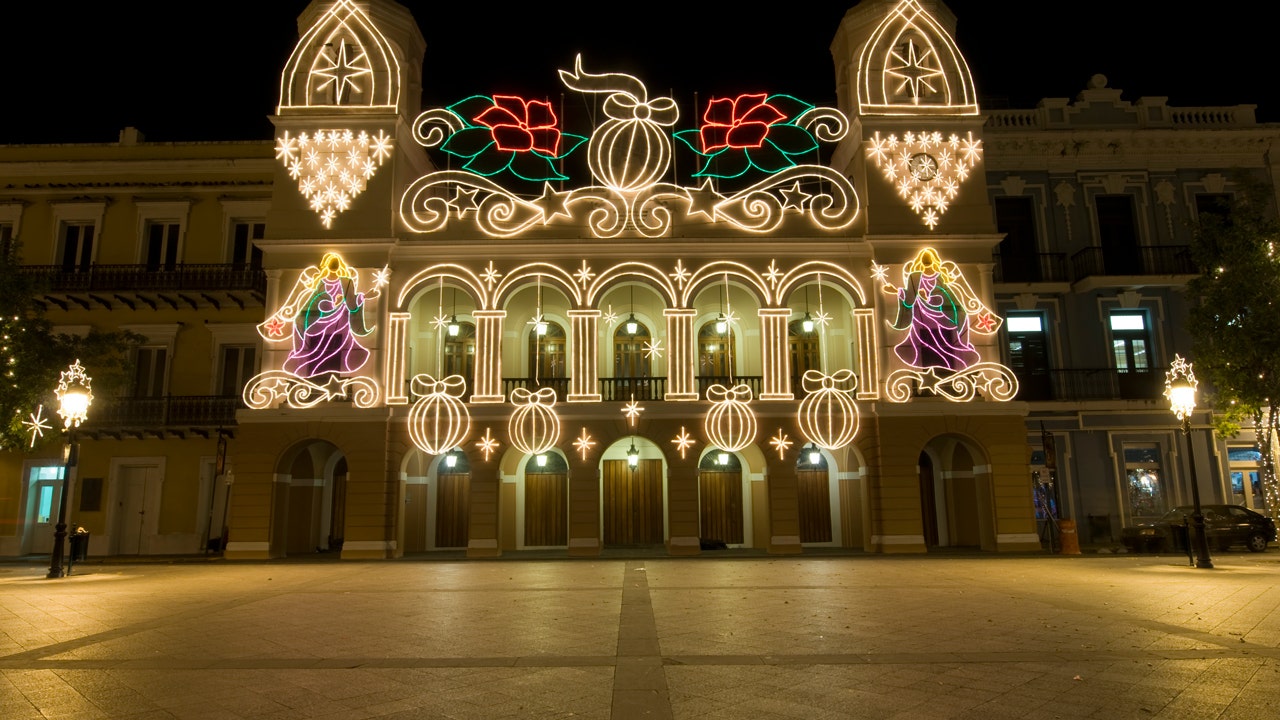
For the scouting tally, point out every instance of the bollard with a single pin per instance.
(1070, 543)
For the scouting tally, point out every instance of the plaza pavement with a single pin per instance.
(718, 636)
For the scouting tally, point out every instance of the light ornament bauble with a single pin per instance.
(828, 416)
(731, 423)
(630, 151)
(439, 421)
(534, 426)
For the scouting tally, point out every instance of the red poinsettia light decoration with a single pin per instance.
(521, 125)
(742, 122)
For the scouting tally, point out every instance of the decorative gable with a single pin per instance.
(911, 66)
(342, 61)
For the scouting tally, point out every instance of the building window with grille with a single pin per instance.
(629, 359)
(245, 253)
(805, 349)
(715, 349)
(149, 377)
(547, 349)
(162, 245)
(460, 351)
(1130, 342)
(239, 364)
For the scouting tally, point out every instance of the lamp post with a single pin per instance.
(74, 397)
(1180, 387)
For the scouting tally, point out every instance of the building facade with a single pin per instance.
(503, 325)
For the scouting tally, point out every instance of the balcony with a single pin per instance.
(1034, 268)
(755, 382)
(1148, 260)
(193, 286)
(170, 416)
(1090, 384)
(621, 389)
(559, 385)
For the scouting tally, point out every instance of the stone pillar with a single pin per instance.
(488, 380)
(584, 385)
(774, 354)
(682, 356)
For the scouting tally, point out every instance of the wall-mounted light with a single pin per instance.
(541, 459)
(722, 458)
(451, 459)
(633, 455)
(815, 456)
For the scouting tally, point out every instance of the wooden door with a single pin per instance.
(453, 509)
(633, 503)
(720, 506)
(814, 492)
(546, 509)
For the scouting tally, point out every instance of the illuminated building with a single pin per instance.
(501, 325)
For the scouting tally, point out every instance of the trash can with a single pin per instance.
(1070, 542)
(79, 544)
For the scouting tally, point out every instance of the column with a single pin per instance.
(488, 380)
(774, 352)
(584, 384)
(868, 354)
(393, 380)
(682, 355)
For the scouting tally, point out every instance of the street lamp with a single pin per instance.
(74, 398)
(1180, 387)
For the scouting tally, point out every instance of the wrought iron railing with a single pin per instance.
(172, 411)
(1091, 384)
(1144, 260)
(755, 382)
(179, 276)
(559, 385)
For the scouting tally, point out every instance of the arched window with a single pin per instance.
(547, 351)
(460, 351)
(715, 349)
(629, 359)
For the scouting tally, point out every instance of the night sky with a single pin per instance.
(80, 71)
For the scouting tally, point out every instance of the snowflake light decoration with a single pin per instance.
(332, 167)
(37, 425)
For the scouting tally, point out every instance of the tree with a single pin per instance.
(33, 356)
(1235, 318)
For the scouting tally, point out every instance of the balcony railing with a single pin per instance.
(1038, 267)
(173, 414)
(755, 382)
(1091, 384)
(1144, 260)
(625, 388)
(176, 285)
(559, 385)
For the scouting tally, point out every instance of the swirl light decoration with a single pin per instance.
(439, 420)
(628, 155)
(534, 427)
(828, 415)
(730, 423)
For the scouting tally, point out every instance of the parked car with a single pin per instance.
(1225, 525)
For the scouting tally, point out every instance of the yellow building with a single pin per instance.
(503, 325)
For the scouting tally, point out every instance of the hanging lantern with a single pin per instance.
(439, 421)
(730, 423)
(828, 416)
(534, 426)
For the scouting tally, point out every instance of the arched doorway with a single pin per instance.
(545, 501)
(452, 501)
(633, 495)
(956, 505)
(721, 516)
(311, 492)
(814, 492)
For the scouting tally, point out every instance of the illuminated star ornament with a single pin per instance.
(584, 443)
(682, 441)
(37, 425)
(780, 442)
(341, 74)
(632, 410)
(653, 348)
(487, 444)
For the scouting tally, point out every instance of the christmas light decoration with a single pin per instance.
(75, 395)
(628, 155)
(828, 416)
(534, 426)
(323, 315)
(926, 168)
(584, 443)
(935, 304)
(37, 425)
(910, 65)
(342, 60)
(780, 442)
(632, 410)
(683, 441)
(730, 423)
(439, 420)
(488, 444)
(332, 167)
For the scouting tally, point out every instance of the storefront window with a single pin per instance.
(1144, 481)
(1246, 476)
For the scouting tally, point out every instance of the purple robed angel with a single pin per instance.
(934, 315)
(328, 321)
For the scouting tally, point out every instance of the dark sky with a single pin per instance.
(80, 71)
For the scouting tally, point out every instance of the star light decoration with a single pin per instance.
(926, 168)
(37, 425)
(780, 442)
(584, 443)
(682, 441)
(350, 63)
(916, 69)
(488, 444)
(653, 348)
(632, 410)
(333, 166)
